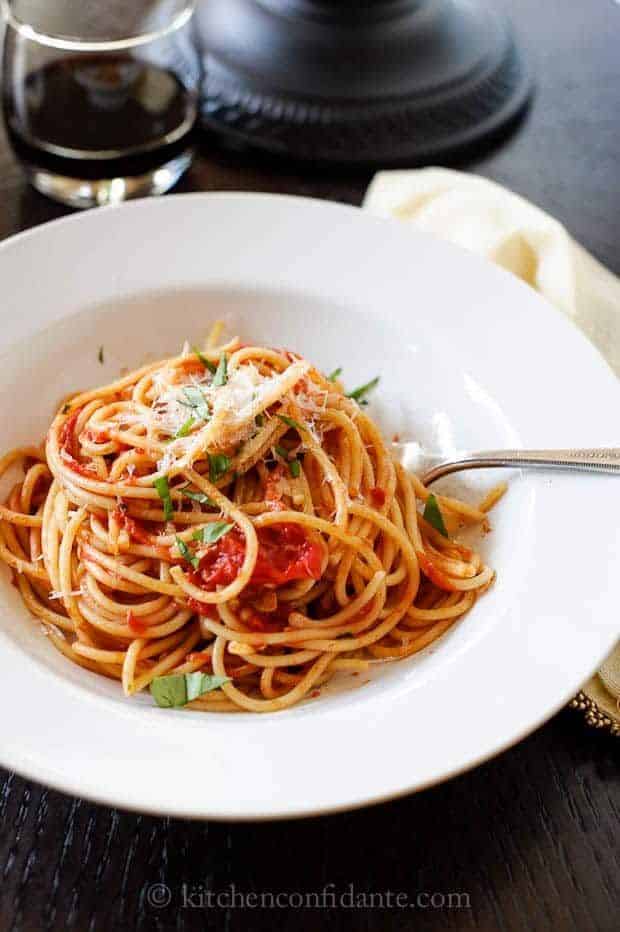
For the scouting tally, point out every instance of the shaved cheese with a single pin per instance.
(57, 594)
(224, 416)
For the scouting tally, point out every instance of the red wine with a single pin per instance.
(97, 117)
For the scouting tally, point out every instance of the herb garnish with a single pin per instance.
(185, 428)
(177, 689)
(163, 490)
(211, 533)
(293, 464)
(196, 401)
(221, 375)
(432, 514)
(334, 375)
(359, 393)
(219, 464)
(198, 497)
(206, 362)
(290, 422)
(187, 554)
(259, 420)
(66, 408)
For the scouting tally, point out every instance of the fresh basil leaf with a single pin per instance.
(290, 422)
(293, 464)
(219, 464)
(184, 430)
(177, 689)
(193, 685)
(198, 497)
(197, 402)
(334, 375)
(358, 393)
(163, 490)
(221, 375)
(206, 362)
(432, 514)
(211, 533)
(169, 692)
(187, 554)
(259, 420)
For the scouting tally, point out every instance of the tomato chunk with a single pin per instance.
(285, 554)
(377, 497)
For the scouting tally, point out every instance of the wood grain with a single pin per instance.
(531, 837)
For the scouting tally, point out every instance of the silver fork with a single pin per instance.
(431, 467)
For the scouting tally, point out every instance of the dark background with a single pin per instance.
(531, 837)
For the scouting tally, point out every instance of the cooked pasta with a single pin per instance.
(229, 529)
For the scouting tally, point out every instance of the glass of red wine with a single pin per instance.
(100, 97)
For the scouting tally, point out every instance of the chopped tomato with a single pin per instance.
(285, 554)
(134, 624)
(200, 655)
(377, 497)
(203, 608)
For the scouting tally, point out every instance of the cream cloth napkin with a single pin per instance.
(493, 221)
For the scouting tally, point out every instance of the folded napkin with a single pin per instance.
(494, 222)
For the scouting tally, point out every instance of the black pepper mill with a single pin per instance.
(368, 82)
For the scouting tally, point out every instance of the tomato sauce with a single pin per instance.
(377, 497)
(285, 554)
(68, 447)
(434, 574)
(135, 625)
(135, 528)
(203, 608)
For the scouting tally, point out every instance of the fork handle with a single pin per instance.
(605, 460)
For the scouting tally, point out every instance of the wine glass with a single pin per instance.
(100, 99)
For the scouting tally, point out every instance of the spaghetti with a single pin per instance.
(228, 528)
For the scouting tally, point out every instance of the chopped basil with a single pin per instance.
(290, 422)
(219, 464)
(197, 402)
(187, 554)
(334, 375)
(206, 362)
(100, 355)
(221, 375)
(184, 430)
(432, 514)
(212, 532)
(359, 393)
(198, 497)
(163, 490)
(293, 465)
(259, 420)
(177, 689)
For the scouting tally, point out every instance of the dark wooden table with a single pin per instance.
(529, 840)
